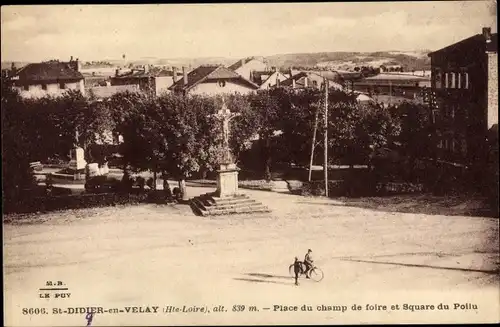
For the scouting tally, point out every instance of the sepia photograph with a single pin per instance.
(250, 163)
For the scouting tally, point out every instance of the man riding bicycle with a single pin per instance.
(308, 262)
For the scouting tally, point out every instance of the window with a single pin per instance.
(435, 116)
(446, 80)
(466, 78)
(464, 147)
(452, 80)
(453, 108)
(62, 86)
(44, 87)
(438, 79)
(440, 144)
(459, 80)
(26, 87)
(315, 83)
(222, 83)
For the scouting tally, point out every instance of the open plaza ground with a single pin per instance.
(161, 255)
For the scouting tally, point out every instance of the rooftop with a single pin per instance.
(205, 73)
(399, 77)
(49, 71)
(241, 62)
(143, 74)
(490, 46)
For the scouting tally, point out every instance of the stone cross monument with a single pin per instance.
(77, 161)
(227, 180)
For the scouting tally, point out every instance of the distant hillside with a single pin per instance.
(410, 60)
(415, 60)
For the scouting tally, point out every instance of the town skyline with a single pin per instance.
(105, 32)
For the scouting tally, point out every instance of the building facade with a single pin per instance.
(245, 67)
(154, 83)
(213, 80)
(465, 83)
(52, 78)
(312, 80)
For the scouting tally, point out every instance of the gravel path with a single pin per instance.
(164, 255)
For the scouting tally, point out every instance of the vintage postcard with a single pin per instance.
(250, 163)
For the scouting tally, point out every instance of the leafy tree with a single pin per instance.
(266, 105)
(17, 144)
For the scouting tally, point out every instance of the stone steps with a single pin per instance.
(208, 205)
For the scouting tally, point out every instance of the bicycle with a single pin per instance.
(315, 273)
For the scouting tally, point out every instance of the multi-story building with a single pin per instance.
(52, 78)
(465, 83)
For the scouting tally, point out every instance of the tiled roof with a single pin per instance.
(143, 74)
(260, 77)
(48, 71)
(204, 73)
(238, 64)
(399, 77)
(300, 80)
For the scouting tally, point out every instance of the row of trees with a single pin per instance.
(177, 136)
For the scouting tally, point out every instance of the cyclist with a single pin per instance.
(308, 261)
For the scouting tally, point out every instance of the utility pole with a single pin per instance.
(313, 145)
(325, 166)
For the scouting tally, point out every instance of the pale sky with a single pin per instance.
(94, 32)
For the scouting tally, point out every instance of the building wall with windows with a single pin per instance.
(51, 88)
(460, 80)
(220, 87)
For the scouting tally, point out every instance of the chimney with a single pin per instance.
(117, 71)
(174, 78)
(71, 59)
(146, 69)
(185, 74)
(291, 73)
(242, 62)
(293, 83)
(277, 81)
(78, 65)
(13, 69)
(306, 81)
(487, 34)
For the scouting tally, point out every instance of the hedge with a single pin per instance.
(358, 188)
(77, 201)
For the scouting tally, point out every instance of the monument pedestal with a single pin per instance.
(77, 163)
(227, 180)
(226, 200)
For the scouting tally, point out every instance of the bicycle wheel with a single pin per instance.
(316, 274)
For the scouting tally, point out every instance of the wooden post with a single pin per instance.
(313, 145)
(325, 166)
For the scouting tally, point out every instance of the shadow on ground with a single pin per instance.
(266, 278)
(495, 271)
